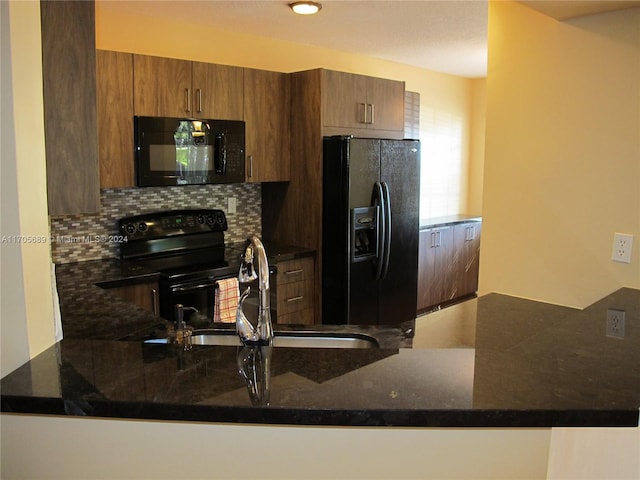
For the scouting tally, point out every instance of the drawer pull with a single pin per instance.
(294, 272)
(295, 299)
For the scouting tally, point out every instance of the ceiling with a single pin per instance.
(448, 36)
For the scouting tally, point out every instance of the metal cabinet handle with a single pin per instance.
(471, 233)
(187, 98)
(250, 169)
(154, 301)
(294, 272)
(371, 116)
(295, 299)
(199, 99)
(436, 239)
(364, 113)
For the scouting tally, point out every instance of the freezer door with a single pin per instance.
(364, 174)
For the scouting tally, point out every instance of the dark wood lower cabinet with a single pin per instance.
(144, 295)
(448, 264)
(467, 245)
(295, 293)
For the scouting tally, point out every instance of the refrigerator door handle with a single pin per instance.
(387, 233)
(378, 201)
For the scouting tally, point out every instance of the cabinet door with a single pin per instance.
(426, 268)
(344, 99)
(437, 264)
(266, 113)
(70, 120)
(144, 295)
(362, 105)
(217, 91)
(387, 100)
(467, 243)
(114, 79)
(162, 87)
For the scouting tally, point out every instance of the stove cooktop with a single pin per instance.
(178, 243)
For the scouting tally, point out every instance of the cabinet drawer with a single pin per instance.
(294, 297)
(293, 271)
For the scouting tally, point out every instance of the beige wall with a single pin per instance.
(27, 320)
(562, 169)
(478, 112)
(88, 448)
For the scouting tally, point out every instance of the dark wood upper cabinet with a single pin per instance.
(162, 87)
(70, 120)
(266, 113)
(362, 105)
(114, 72)
(167, 87)
(218, 91)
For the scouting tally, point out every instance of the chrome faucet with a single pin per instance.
(262, 333)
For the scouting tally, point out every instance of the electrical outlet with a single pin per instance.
(622, 244)
(615, 323)
(231, 205)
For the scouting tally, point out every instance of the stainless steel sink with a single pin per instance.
(291, 339)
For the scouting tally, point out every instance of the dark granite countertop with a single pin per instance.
(447, 220)
(533, 365)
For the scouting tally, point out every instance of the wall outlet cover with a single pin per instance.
(615, 323)
(622, 244)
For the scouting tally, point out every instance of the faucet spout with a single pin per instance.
(263, 332)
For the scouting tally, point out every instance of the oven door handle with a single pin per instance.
(192, 287)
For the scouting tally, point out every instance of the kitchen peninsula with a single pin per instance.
(533, 365)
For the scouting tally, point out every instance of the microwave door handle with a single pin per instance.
(220, 153)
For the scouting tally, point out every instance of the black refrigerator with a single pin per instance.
(370, 230)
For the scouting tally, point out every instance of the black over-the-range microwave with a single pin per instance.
(187, 151)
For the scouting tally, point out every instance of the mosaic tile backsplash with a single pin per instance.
(86, 237)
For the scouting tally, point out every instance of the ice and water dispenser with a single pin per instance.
(364, 233)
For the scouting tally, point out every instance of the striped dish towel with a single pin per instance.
(226, 300)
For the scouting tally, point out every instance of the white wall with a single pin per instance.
(562, 168)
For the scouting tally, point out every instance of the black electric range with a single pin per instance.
(187, 248)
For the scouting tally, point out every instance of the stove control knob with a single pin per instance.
(143, 227)
(130, 228)
(210, 219)
(220, 220)
(200, 219)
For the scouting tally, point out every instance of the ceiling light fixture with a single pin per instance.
(305, 8)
